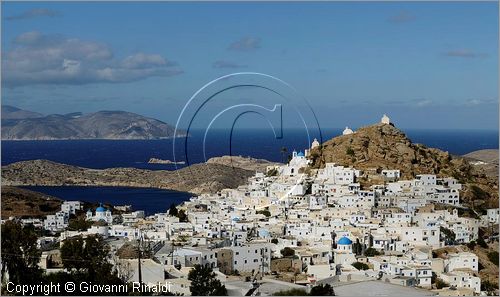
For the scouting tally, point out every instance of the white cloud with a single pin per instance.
(54, 59)
(34, 13)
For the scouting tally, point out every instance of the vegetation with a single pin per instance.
(79, 224)
(493, 256)
(291, 292)
(481, 242)
(274, 240)
(471, 245)
(182, 216)
(489, 287)
(371, 252)
(20, 255)
(349, 151)
(440, 284)
(265, 212)
(448, 236)
(272, 172)
(84, 260)
(172, 211)
(360, 266)
(204, 282)
(319, 290)
(322, 290)
(287, 252)
(357, 247)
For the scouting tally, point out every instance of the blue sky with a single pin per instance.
(427, 65)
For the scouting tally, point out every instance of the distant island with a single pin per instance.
(18, 124)
(160, 161)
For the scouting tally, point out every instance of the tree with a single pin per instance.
(182, 216)
(471, 245)
(360, 266)
(20, 254)
(322, 290)
(87, 255)
(493, 256)
(283, 152)
(172, 211)
(449, 235)
(265, 212)
(274, 240)
(204, 282)
(481, 242)
(287, 252)
(79, 224)
(371, 252)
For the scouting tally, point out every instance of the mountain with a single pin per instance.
(24, 125)
(14, 113)
(197, 178)
(383, 146)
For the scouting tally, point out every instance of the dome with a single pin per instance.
(236, 219)
(263, 233)
(100, 208)
(300, 154)
(315, 143)
(344, 241)
(385, 119)
(347, 131)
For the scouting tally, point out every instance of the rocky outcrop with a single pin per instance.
(383, 146)
(197, 178)
(247, 163)
(24, 203)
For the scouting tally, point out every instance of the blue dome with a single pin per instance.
(263, 233)
(236, 219)
(344, 241)
(300, 154)
(100, 208)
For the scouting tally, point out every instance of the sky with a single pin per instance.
(428, 65)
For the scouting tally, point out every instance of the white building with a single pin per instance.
(56, 222)
(71, 207)
(101, 214)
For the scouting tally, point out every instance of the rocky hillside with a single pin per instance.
(383, 146)
(25, 125)
(197, 178)
(14, 113)
(20, 202)
(247, 163)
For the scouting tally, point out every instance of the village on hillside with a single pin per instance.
(294, 227)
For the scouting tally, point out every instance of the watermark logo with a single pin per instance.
(275, 102)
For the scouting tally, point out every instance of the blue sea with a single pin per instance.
(255, 143)
(136, 153)
(150, 200)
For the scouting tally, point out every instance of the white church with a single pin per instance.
(101, 214)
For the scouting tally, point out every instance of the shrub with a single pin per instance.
(441, 284)
(493, 256)
(360, 266)
(349, 151)
(471, 245)
(287, 252)
(481, 242)
(371, 252)
(291, 292)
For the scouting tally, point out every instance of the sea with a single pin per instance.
(197, 148)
